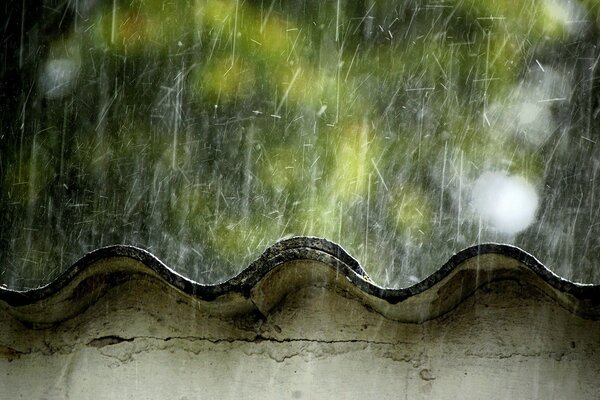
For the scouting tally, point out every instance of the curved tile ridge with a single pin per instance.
(296, 262)
(296, 248)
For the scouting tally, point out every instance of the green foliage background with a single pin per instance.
(206, 130)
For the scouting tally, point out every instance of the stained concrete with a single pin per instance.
(303, 331)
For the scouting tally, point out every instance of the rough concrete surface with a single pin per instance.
(141, 338)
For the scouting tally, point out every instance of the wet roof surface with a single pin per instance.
(304, 261)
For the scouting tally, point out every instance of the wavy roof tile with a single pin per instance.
(295, 263)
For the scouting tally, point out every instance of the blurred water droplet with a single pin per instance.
(58, 77)
(506, 203)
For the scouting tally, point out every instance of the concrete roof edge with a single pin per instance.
(585, 297)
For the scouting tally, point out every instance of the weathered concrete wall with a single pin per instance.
(141, 338)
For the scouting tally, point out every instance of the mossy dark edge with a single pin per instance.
(296, 249)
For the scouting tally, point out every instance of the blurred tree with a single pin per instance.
(206, 130)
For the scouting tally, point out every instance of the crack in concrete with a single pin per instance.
(113, 340)
(104, 345)
(558, 356)
(107, 341)
(317, 348)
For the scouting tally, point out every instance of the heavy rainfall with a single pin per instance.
(204, 131)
